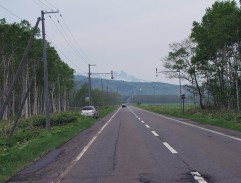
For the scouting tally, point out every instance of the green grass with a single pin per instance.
(225, 119)
(30, 142)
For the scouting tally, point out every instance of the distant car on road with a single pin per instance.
(123, 105)
(89, 111)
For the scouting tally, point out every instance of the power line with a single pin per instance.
(65, 55)
(67, 40)
(10, 12)
(51, 4)
(74, 47)
(62, 34)
(39, 5)
(70, 39)
(73, 36)
(44, 4)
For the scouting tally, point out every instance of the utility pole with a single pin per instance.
(46, 87)
(102, 93)
(90, 98)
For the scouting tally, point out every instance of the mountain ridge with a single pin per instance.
(119, 75)
(129, 88)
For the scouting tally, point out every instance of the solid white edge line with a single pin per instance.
(73, 163)
(154, 133)
(173, 151)
(198, 177)
(205, 129)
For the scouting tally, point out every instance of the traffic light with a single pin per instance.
(111, 72)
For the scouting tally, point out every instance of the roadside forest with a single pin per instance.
(13, 40)
(209, 59)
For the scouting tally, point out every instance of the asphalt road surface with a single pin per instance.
(136, 146)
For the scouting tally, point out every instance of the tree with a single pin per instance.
(218, 52)
(13, 39)
(179, 63)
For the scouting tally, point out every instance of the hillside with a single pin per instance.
(130, 88)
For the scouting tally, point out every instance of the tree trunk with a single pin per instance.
(59, 96)
(35, 97)
(5, 85)
(199, 92)
(53, 98)
(64, 100)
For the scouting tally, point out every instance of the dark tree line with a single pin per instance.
(210, 58)
(100, 98)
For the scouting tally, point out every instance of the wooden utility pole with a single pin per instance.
(46, 87)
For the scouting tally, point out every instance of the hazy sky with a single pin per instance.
(128, 35)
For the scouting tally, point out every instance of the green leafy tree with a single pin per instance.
(218, 52)
(13, 40)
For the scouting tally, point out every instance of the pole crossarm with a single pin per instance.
(101, 73)
(48, 12)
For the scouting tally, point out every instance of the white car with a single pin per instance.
(89, 111)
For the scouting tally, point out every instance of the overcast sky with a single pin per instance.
(128, 35)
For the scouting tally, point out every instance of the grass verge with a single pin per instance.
(225, 119)
(30, 142)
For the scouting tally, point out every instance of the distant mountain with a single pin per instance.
(130, 88)
(121, 76)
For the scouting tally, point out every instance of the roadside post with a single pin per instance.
(183, 98)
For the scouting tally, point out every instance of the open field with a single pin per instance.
(226, 119)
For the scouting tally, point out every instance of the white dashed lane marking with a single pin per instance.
(195, 175)
(173, 151)
(154, 133)
(198, 177)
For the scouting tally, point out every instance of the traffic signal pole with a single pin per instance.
(89, 74)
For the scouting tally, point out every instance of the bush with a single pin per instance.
(39, 121)
(19, 138)
(57, 119)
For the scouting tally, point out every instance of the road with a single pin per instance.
(133, 146)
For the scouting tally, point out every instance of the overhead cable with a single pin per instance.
(69, 39)
(73, 36)
(65, 55)
(43, 8)
(10, 12)
(51, 4)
